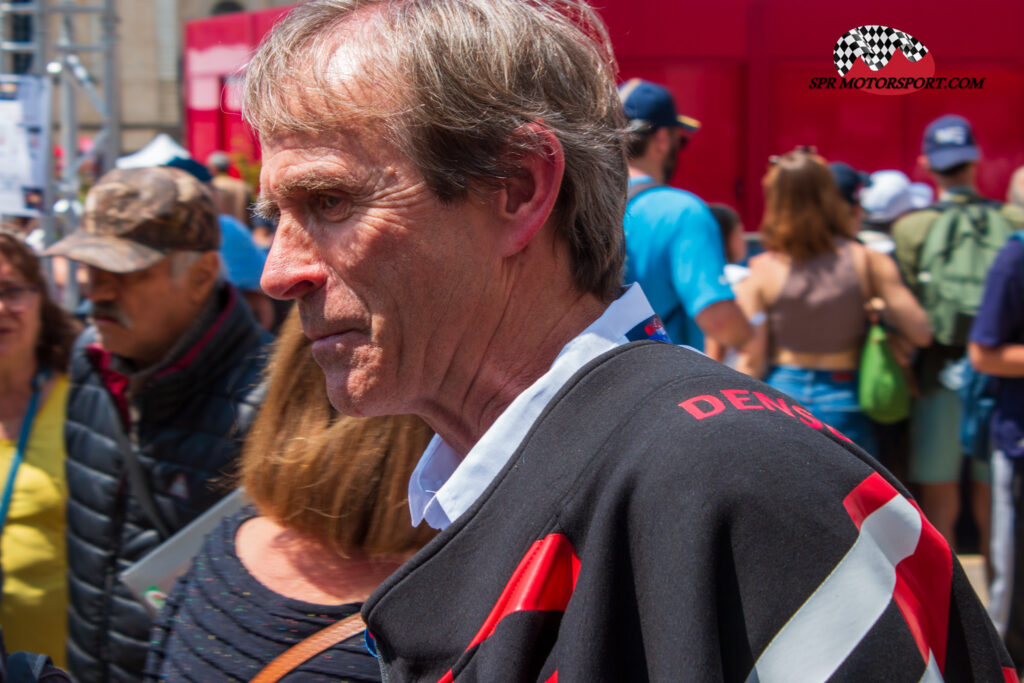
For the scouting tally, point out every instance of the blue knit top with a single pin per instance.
(221, 624)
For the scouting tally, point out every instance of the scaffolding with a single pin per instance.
(27, 47)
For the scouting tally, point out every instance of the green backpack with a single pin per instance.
(953, 262)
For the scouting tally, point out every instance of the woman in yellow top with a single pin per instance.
(35, 342)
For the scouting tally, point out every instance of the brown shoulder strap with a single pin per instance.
(309, 648)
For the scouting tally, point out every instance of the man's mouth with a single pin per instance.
(332, 337)
(326, 342)
(317, 329)
(109, 315)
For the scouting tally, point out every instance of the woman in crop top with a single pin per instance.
(814, 283)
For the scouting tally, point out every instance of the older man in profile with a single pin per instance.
(164, 385)
(449, 177)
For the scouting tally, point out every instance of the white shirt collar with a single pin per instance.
(442, 487)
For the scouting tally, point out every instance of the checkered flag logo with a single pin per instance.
(876, 45)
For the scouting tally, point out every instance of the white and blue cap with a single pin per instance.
(891, 194)
(948, 142)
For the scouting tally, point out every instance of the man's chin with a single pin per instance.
(348, 403)
(109, 335)
(353, 370)
(351, 392)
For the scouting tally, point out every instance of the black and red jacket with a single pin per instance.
(669, 519)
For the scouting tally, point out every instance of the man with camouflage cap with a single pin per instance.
(163, 390)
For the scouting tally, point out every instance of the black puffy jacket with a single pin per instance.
(186, 426)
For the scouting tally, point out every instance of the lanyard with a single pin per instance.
(19, 454)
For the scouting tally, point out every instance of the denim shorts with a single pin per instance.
(831, 396)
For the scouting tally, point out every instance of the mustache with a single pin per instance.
(106, 309)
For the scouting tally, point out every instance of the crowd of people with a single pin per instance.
(843, 249)
(501, 321)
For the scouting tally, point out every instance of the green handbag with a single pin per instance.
(882, 389)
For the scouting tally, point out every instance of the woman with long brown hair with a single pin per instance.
(814, 284)
(36, 336)
(330, 521)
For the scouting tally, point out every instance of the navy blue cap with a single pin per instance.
(649, 106)
(849, 180)
(949, 141)
(191, 166)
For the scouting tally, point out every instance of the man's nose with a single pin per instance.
(293, 267)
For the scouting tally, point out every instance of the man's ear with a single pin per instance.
(662, 142)
(525, 202)
(922, 162)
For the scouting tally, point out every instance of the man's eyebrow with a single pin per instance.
(312, 182)
(266, 205)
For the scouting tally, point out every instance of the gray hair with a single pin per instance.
(455, 83)
(182, 261)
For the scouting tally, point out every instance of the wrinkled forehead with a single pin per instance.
(358, 139)
(320, 109)
(356, 161)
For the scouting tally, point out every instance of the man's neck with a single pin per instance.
(962, 182)
(640, 168)
(487, 373)
(947, 190)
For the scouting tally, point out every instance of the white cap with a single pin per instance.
(891, 194)
(921, 195)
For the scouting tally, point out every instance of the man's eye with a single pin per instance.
(331, 207)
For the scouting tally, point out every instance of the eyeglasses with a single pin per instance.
(16, 297)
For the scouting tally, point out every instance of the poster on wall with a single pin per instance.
(24, 143)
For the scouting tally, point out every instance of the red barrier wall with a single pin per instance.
(742, 67)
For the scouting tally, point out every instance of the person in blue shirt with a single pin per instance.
(996, 348)
(673, 246)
